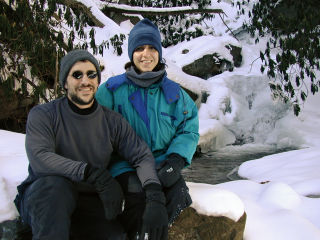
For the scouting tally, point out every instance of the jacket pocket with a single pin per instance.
(169, 118)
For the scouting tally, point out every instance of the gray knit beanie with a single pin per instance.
(144, 33)
(71, 58)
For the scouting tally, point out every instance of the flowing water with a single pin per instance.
(221, 166)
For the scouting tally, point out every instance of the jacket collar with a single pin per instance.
(170, 88)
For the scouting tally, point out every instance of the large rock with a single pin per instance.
(191, 225)
(212, 64)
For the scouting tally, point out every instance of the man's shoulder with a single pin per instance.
(47, 107)
(114, 120)
(109, 113)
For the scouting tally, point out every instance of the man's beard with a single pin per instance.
(74, 98)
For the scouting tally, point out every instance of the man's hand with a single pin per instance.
(108, 188)
(170, 170)
(155, 216)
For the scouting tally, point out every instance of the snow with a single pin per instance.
(280, 193)
(287, 168)
(216, 201)
(197, 50)
(107, 22)
(276, 211)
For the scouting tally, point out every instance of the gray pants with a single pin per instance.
(55, 209)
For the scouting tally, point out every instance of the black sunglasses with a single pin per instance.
(79, 74)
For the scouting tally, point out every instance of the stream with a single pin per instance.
(221, 166)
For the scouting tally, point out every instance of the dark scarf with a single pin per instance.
(84, 111)
(145, 79)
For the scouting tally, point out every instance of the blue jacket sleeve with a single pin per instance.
(187, 135)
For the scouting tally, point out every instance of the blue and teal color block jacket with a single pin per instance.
(163, 115)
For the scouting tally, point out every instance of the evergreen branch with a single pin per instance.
(36, 87)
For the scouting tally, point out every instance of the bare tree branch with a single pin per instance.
(126, 9)
(121, 8)
(228, 27)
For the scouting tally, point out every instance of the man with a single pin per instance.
(69, 192)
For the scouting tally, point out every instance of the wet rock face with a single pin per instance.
(205, 67)
(211, 64)
(193, 226)
(236, 55)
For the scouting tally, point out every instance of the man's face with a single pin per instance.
(82, 84)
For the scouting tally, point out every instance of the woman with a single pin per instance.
(161, 113)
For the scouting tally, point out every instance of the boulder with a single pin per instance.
(236, 54)
(191, 225)
(212, 64)
(205, 67)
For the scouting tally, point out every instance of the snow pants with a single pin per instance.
(55, 209)
(177, 199)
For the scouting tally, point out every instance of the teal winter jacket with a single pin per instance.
(163, 115)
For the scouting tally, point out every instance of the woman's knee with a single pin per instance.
(178, 198)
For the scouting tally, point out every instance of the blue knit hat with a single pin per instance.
(144, 33)
(71, 58)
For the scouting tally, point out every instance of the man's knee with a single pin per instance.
(54, 196)
(53, 189)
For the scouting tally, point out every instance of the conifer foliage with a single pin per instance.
(294, 27)
(34, 35)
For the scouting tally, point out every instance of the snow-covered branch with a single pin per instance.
(121, 8)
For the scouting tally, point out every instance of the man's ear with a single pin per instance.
(65, 85)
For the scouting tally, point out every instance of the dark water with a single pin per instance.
(221, 166)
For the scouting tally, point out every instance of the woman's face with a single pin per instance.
(145, 58)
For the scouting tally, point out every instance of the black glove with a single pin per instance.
(155, 216)
(108, 188)
(170, 170)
